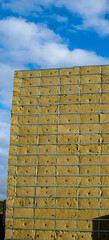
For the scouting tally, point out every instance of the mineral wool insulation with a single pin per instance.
(58, 179)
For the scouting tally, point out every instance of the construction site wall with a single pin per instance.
(58, 174)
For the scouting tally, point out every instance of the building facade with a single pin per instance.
(58, 174)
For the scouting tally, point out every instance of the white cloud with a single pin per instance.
(6, 73)
(26, 42)
(6, 81)
(23, 7)
(3, 182)
(101, 25)
(4, 156)
(91, 12)
(5, 115)
(4, 142)
(58, 18)
(4, 151)
(86, 8)
(4, 127)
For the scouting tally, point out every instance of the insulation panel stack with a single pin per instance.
(58, 174)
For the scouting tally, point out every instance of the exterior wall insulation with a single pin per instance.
(58, 174)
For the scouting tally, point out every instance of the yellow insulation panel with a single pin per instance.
(59, 155)
(30, 81)
(49, 80)
(89, 79)
(69, 71)
(69, 80)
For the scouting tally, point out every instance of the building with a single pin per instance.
(58, 182)
(2, 219)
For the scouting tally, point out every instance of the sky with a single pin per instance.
(46, 34)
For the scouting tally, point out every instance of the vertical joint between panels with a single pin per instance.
(99, 149)
(57, 146)
(16, 156)
(77, 154)
(36, 161)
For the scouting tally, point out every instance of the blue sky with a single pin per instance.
(46, 34)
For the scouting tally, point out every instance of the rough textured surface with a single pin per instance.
(58, 160)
